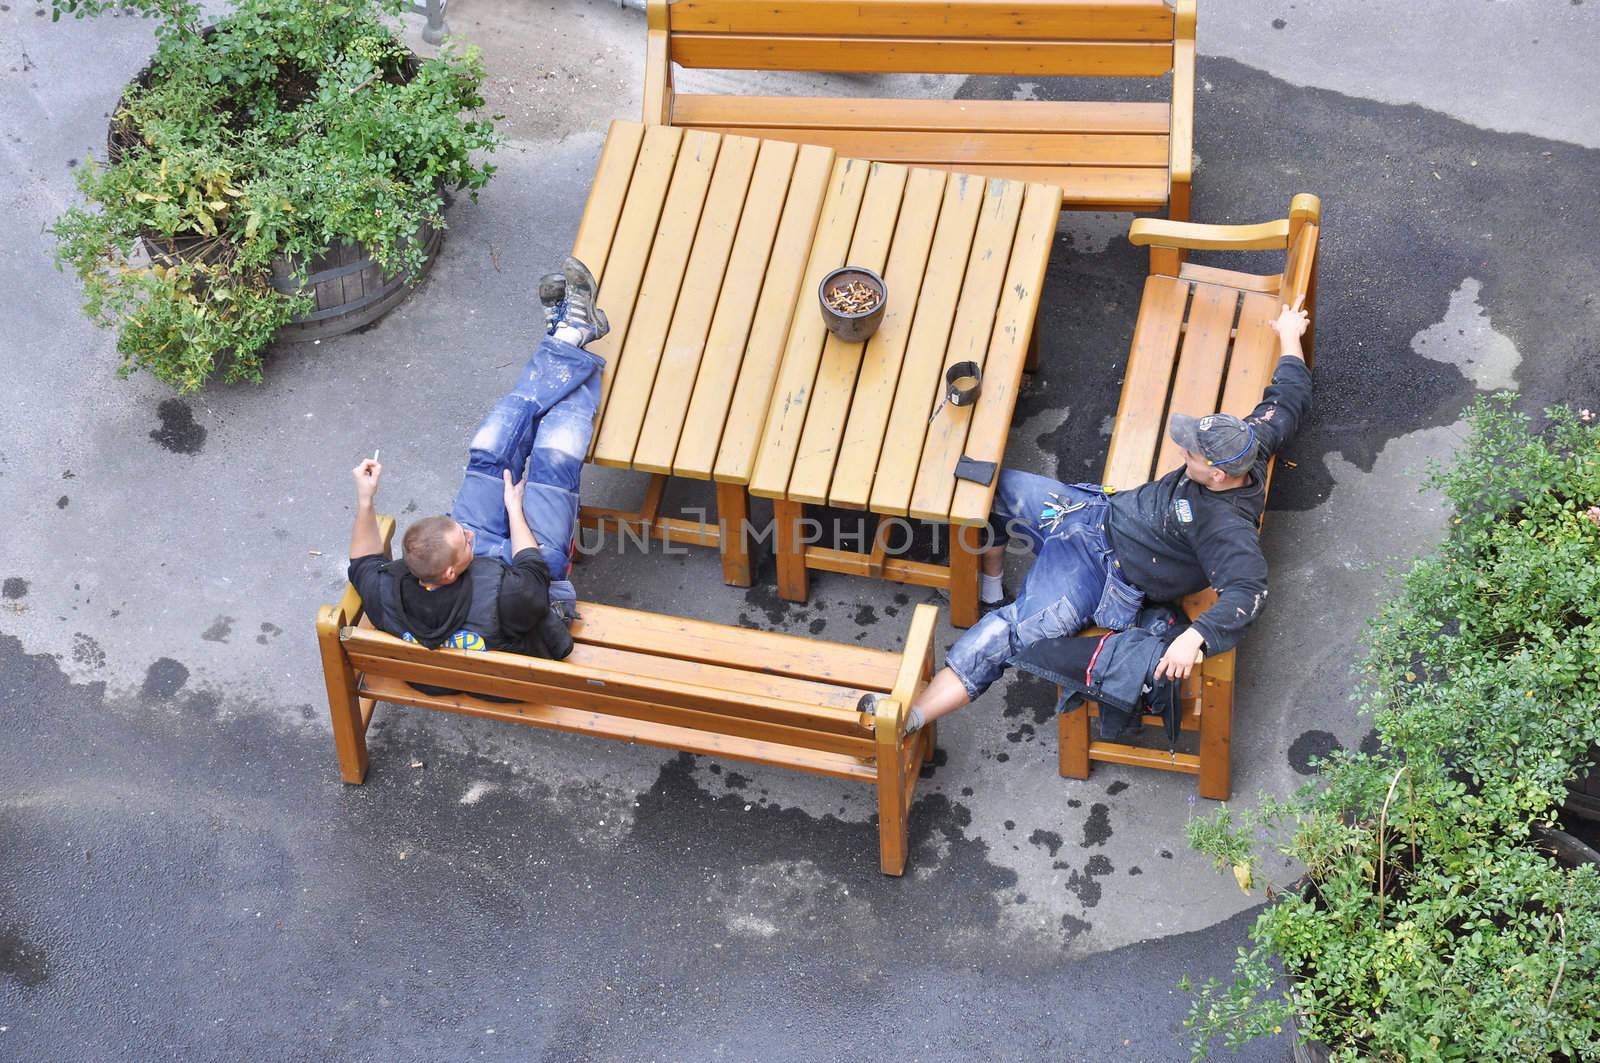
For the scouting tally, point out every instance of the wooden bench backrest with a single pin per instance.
(1132, 38)
(1204, 342)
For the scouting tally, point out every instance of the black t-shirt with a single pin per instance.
(523, 603)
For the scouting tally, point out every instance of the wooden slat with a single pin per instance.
(1141, 757)
(887, 196)
(969, 341)
(1148, 20)
(567, 683)
(1090, 187)
(642, 732)
(1145, 383)
(630, 248)
(827, 114)
(606, 195)
(759, 684)
(770, 653)
(911, 55)
(1255, 354)
(1197, 385)
(780, 295)
(1008, 350)
(968, 148)
(857, 454)
(632, 378)
(798, 372)
(921, 374)
(703, 280)
(1249, 282)
(765, 204)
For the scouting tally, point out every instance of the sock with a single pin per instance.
(990, 589)
(913, 720)
(571, 334)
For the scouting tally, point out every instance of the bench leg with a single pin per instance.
(733, 518)
(1072, 733)
(893, 830)
(966, 546)
(344, 706)
(1216, 727)
(791, 549)
(1167, 261)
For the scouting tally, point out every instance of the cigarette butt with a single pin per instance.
(314, 553)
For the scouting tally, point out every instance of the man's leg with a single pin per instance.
(555, 470)
(506, 438)
(1020, 498)
(1058, 597)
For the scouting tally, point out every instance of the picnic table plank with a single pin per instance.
(622, 412)
(630, 249)
(606, 196)
(780, 287)
(1053, 19)
(825, 114)
(703, 281)
(827, 53)
(1008, 350)
(1144, 384)
(968, 149)
(785, 416)
(975, 316)
(753, 248)
(829, 404)
(1197, 385)
(886, 351)
(921, 380)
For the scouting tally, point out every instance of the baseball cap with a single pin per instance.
(1221, 438)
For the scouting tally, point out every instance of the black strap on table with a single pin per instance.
(957, 395)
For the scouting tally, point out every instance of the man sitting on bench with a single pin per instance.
(1100, 555)
(493, 575)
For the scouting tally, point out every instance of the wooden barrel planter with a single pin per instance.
(351, 290)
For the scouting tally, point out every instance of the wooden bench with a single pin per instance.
(660, 681)
(1102, 155)
(1203, 344)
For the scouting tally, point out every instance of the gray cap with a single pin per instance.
(1221, 438)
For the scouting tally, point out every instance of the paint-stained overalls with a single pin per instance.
(1074, 581)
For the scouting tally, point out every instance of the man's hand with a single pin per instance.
(514, 492)
(1292, 321)
(366, 477)
(1182, 657)
(517, 520)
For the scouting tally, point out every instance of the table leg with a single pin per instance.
(733, 520)
(966, 545)
(1030, 363)
(790, 548)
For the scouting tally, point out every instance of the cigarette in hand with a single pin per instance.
(375, 454)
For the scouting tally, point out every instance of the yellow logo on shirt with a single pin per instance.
(461, 640)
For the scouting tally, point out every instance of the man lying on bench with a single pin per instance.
(493, 575)
(1099, 556)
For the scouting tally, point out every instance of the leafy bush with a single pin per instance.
(286, 128)
(1429, 924)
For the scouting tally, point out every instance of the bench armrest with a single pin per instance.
(1181, 140)
(1267, 236)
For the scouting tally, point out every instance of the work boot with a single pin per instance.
(553, 297)
(581, 313)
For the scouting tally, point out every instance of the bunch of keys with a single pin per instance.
(1052, 515)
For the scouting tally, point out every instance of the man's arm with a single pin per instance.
(364, 537)
(521, 535)
(1288, 396)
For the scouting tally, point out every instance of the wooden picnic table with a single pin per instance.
(710, 249)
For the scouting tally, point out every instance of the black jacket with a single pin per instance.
(1175, 537)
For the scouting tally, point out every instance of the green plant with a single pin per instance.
(1428, 924)
(285, 128)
